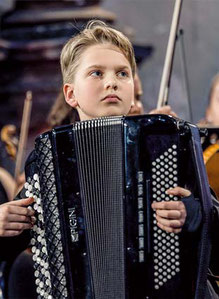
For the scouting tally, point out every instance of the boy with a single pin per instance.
(98, 68)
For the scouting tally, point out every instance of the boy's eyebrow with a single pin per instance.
(103, 67)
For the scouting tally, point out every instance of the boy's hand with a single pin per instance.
(171, 215)
(15, 216)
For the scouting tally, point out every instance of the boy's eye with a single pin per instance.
(123, 74)
(96, 73)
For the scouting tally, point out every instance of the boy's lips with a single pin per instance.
(112, 98)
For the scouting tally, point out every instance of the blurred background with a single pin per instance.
(32, 33)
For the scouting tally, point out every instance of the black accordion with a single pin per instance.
(96, 235)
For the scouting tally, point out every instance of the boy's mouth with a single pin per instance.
(111, 98)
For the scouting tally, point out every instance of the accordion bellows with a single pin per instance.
(96, 235)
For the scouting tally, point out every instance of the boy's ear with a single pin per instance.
(68, 90)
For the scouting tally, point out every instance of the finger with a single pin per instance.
(22, 202)
(169, 229)
(17, 210)
(153, 111)
(170, 214)
(17, 226)
(165, 109)
(19, 218)
(172, 113)
(168, 205)
(10, 233)
(170, 223)
(179, 191)
(33, 220)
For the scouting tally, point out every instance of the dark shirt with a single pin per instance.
(194, 214)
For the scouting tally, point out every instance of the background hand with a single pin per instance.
(164, 110)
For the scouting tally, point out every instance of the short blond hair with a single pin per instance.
(96, 32)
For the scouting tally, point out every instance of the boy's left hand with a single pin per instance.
(171, 215)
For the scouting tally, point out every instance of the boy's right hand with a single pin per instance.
(15, 216)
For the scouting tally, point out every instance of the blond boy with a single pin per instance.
(98, 67)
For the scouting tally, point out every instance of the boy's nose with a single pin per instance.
(111, 84)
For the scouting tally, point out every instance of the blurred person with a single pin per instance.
(211, 156)
(212, 111)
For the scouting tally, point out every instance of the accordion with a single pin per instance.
(96, 235)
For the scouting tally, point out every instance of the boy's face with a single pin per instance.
(103, 83)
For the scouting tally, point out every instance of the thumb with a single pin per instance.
(179, 192)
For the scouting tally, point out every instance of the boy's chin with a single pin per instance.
(114, 112)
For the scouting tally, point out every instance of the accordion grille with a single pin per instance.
(48, 249)
(101, 185)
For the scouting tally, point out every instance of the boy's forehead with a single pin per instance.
(99, 52)
(103, 46)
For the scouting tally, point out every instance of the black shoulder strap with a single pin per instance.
(204, 190)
